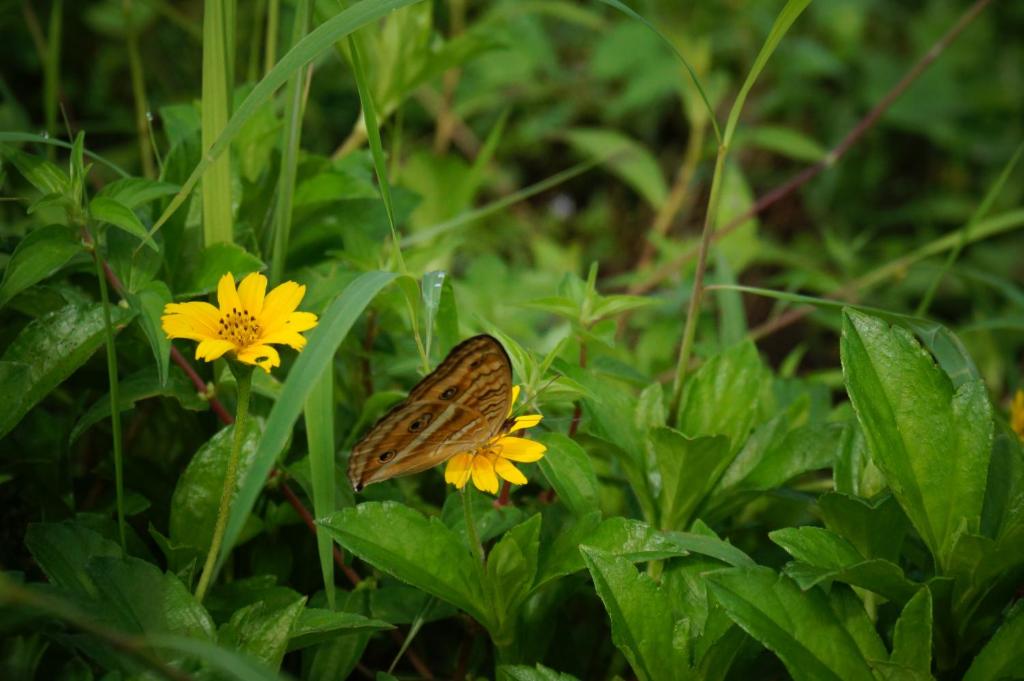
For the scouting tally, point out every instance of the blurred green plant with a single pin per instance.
(842, 500)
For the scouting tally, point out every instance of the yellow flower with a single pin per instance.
(1017, 414)
(493, 460)
(247, 323)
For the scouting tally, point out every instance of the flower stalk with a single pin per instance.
(115, 399)
(474, 538)
(243, 378)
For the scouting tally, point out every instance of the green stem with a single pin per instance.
(138, 92)
(115, 411)
(474, 538)
(243, 377)
(693, 311)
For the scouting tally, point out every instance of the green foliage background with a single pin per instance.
(823, 485)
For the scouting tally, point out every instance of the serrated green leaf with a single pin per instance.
(931, 441)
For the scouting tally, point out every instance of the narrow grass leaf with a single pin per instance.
(319, 415)
(318, 355)
(318, 41)
(217, 219)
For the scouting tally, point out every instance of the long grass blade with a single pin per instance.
(290, 142)
(324, 340)
(317, 42)
(217, 220)
(319, 415)
(628, 11)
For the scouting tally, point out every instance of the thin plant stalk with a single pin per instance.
(243, 378)
(273, 17)
(51, 72)
(693, 308)
(115, 411)
(474, 538)
(289, 151)
(138, 92)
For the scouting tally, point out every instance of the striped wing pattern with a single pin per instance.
(458, 407)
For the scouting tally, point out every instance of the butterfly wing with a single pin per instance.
(456, 408)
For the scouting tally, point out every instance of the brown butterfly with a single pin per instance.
(458, 407)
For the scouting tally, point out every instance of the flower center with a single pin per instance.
(239, 327)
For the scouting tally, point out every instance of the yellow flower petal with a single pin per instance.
(285, 338)
(280, 303)
(202, 318)
(525, 421)
(458, 470)
(506, 470)
(483, 474)
(227, 294)
(520, 449)
(252, 291)
(300, 321)
(515, 396)
(263, 356)
(211, 349)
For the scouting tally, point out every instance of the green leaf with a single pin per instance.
(875, 528)
(912, 640)
(642, 623)
(62, 551)
(931, 441)
(40, 173)
(316, 625)
(689, 469)
(140, 386)
(806, 448)
(133, 192)
(569, 470)
(38, 256)
(538, 673)
(144, 600)
(227, 662)
(825, 556)
(213, 262)
(418, 551)
(261, 631)
(149, 302)
(52, 347)
(447, 319)
(511, 569)
(1003, 656)
(721, 398)
(802, 628)
(196, 497)
(324, 340)
(624, 157)
(631, 539)
(111, 211)
(786, 141)
(816, 545)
